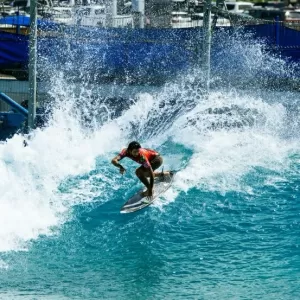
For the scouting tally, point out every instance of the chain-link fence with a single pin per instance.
(82, 47)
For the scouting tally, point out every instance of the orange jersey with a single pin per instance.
(144, 157)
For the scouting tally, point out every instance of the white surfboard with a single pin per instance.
(137, 202)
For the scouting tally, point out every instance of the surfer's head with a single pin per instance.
(133, 148)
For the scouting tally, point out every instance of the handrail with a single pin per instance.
(14, 104)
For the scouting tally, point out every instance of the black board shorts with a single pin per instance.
(156, 162)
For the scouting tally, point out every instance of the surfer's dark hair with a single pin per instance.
(134, 145)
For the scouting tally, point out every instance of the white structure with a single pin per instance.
(94, 15)
(292, 15)
(123, 21)
(62, 15)
(238, 7)
(181, 19)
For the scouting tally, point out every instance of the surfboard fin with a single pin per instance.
(162, 175)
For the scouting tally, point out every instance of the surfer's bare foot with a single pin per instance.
(144, 194)
(148, 194)
(161, 175)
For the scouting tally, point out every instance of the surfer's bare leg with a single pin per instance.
(155, 164)
(142, 173)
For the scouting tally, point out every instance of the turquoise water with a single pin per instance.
(228, 228)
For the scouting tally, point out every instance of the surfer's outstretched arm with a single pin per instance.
(115, 162)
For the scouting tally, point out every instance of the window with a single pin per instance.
(294, 15)
(244, 7)
(84, 12)
(230, 6)
(62, 14)
(100, 11)
(198, 9)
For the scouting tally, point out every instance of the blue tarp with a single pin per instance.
(13, 49)
(119, 50)
(25, 21)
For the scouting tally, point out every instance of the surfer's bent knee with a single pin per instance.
(142, 172)
(156, 162)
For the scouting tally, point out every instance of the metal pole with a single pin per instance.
(14, 104)
(32, 64)
(138, 7)
(114, 8)
(206, 42)
(141, 9)
(277, 30)
(114, 12)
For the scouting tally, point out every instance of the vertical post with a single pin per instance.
(141, 9)
(114, 11)
(220, 5)
(277, 29)
(138, 7)
(18, 27)
(32, 64)
(206, 42)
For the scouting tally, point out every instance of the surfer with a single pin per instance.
(150, 160)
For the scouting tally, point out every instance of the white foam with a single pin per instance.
(31, 204)
(3, 265)
(222, 158)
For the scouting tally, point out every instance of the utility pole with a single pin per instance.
(138, 7)
(114, 11)
(220, 4)
(32, 64)
(206, 42)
